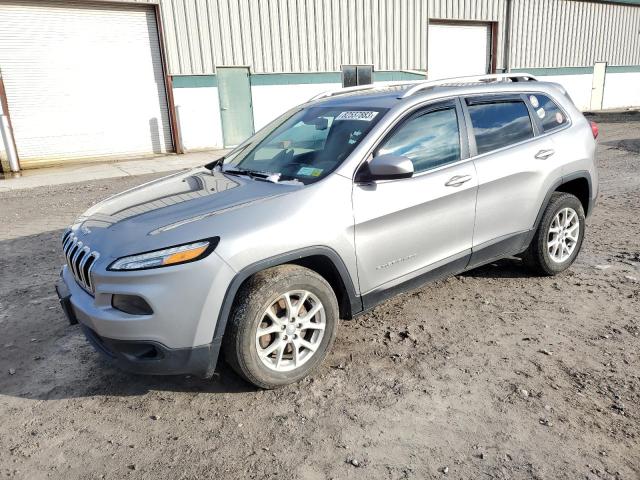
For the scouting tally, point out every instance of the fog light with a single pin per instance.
(131, 304)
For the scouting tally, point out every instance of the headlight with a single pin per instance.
(168, 256)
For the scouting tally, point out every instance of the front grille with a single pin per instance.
(80, 260)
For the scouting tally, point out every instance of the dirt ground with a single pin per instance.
(491, 374)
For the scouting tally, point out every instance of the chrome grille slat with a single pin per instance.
(74, 259)
(95, 256)
(83, 261)
(66, 243)
(80, 260)
(70, 254)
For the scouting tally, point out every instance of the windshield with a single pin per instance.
(307, 145)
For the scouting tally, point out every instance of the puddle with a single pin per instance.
(630, 145)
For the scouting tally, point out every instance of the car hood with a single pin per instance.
(169, 202)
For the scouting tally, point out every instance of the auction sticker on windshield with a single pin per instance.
(364, 115)
(310, 171)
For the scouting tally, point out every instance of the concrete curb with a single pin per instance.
(82, 173)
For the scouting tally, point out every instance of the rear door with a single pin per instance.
(515, 164)
(407, 227)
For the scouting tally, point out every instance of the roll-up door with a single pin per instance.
(456, 50)
(83, 80)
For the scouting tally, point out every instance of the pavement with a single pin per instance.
(42, 177)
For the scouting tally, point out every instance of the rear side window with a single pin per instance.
(550, 115)
(500, 124)
(429, 140)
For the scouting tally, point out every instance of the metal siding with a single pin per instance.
(320, 35)
(295, 35)
(570, 33)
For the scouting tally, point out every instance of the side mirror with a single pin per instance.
(386, 167)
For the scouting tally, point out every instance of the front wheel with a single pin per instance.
(282, 326)
(558, 239)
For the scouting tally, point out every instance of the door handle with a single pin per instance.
(457, 180)
(544, 154)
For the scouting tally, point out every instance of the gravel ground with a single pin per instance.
(491, 374)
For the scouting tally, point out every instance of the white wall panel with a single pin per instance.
(578, 87)
(199, 116)
(622, 90)
(269, 101)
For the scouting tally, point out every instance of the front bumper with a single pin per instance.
(152, 358)
(177, 338)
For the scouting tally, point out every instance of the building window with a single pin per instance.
(353, 75)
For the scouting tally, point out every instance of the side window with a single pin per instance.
(548, 112)
(429, 140)
(499, 124)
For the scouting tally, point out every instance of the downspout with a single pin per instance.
(506, 61)
(6, 131)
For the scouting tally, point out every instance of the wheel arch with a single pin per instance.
(579, 182)
(322, 260)
(580, 187)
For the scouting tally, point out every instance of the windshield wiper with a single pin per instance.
(258, 175)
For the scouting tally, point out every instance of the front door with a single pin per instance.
(236, 110)
(407, 228)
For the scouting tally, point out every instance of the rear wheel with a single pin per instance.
(558, 239)
(282, 326)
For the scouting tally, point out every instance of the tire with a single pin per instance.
(543, 255)
(266, 292)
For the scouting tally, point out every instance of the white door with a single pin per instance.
(458, 50)
(83, 80)
(597, 87)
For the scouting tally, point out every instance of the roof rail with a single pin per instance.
(498, 77)
(370, 86)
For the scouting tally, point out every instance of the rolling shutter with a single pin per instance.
(83, 80)
(457, 50)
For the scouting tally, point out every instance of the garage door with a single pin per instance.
(83, 80)
(458, 50)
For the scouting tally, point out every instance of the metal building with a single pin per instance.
(92, 79)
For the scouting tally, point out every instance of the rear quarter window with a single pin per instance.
(500, 124)
(550, 115)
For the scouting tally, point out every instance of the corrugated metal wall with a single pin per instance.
(569, 33)
(294, 35)
(320, 35)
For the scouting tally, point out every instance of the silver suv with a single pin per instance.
(337, 205)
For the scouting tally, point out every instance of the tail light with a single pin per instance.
(594, 129)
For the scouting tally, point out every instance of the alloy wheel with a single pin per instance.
(563, 235)
(290, 330)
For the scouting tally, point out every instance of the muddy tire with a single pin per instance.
(282, 325)
(559, 237)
